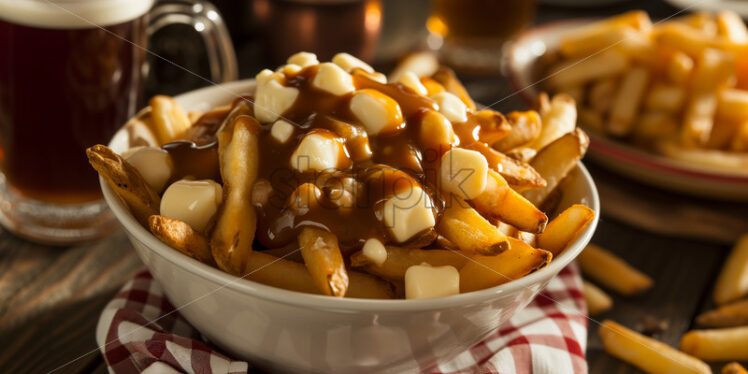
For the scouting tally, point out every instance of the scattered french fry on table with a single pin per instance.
(612, 272)
(597, 300)
(646, 353)
(717, 344)
(732, 282)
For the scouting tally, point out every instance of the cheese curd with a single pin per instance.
(463, 172)
(192, 201)
(425, 282)
(154, 164)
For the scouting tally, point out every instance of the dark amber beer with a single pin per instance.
(63, 90)
(71, 73)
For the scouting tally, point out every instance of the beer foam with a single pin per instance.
(72, 14)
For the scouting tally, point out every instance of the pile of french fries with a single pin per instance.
(725, 340)
(678, 88)
(488, 236)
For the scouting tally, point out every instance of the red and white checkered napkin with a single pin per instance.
(548, 336)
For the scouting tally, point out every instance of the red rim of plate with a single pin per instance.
(607, 147)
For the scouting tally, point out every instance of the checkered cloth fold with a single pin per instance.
(548, 336)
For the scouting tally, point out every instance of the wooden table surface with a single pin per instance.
(51, 297)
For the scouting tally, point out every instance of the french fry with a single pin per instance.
(519, 174)
(714, 68)
(400, 259)
(682, 37)
(727, 315)
(448, 79)
(646, 353)
(493, 126)
(717, 345)
(126, 182)
(597, 300)
(627, 101)
(180, 236)
(520, 259)
(732, 104)
(231, 241)
(699, 119)
(653, 126)
(525, 127)
(277, 272)
(432, 87)
(733, 368)
(702, 21)
(665, 98)
(679, 68)
(563, 230)
(423, 64)
(500, 201)
(324, 261)
(602, 34)
(555, 161)
(169, 119)
(732, 282)
(523, 155)
(724, 132)
(590, 39)
(731, 26)
(704, 157)
(468, 230)
(731, 116)
(602, 65)
(560, 119)
(366, 286)
(612, 272)
(602, 93)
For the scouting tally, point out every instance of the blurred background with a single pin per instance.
(382, 32)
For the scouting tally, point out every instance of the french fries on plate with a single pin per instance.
(678, 88)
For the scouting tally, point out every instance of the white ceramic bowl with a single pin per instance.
(644, 166)
(288, 331)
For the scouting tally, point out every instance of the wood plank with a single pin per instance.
(51, 298)
(683, 271)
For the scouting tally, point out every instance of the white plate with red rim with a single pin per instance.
(636, 163)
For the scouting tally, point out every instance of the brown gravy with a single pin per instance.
(351, 197)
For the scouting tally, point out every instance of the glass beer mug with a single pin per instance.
(71, 73)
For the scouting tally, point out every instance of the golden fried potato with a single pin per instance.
(182, 237)
(126, 182)
(232, 237)
(324, 261)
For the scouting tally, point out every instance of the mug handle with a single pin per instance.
(205, 19)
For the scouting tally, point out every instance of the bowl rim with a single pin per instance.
(620, 151)
(279, 295)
